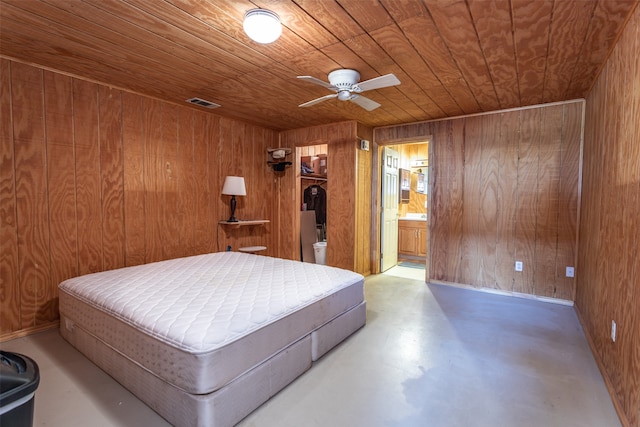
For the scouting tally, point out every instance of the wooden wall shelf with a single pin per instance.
(247, 222)
(314, 177)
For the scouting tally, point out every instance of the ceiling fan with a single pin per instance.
(345, 83)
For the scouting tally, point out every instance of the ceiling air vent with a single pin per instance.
(203, 103)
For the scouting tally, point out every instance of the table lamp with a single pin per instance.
(234, 186)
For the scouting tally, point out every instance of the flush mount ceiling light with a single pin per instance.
(262, 26)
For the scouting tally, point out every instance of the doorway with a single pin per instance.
(404, 225)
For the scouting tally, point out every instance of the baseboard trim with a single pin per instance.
(505, 293)
(30, 331)
(607, 381)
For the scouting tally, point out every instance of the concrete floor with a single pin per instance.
(429, 355)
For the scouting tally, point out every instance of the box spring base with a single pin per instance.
(231, 403)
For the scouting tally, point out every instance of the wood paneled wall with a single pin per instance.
(608, 258)
(503, 187)
(347, 190)
(363, 203)
(93, 178)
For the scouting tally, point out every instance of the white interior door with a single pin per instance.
(390, 199)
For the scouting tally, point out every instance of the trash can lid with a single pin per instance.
(19, 376)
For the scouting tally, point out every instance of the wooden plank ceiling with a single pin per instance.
(453, 57)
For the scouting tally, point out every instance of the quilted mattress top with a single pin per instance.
(204, 302)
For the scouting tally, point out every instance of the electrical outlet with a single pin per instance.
(613, 330)
(518, 265)
(570, 272)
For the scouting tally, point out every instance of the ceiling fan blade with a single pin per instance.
(378, 83)
(364, 102)
(318, 82)
(318, 100)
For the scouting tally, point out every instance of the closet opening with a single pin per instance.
(311, 197)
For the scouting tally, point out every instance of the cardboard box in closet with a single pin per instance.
(319, 164)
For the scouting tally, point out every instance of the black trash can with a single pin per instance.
(19, 379)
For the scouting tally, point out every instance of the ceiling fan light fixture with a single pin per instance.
(262, 26)
(344, 95)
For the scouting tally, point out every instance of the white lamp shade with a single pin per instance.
(262, 26)
(234, 186)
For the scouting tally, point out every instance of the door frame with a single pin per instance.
(376, 192)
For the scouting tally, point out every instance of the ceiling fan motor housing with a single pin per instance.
(344, 79)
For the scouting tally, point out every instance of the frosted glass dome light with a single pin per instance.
(262, 26)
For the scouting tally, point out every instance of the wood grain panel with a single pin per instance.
(406, 133)
(332, 15)
(134, 179)
(569, 198)
(32, 210)
(527, 210)
(592, 201)
(212, 138)
(445, 208)
(549, 170)
(438, 219)
(423, 35)
(392, 40)
(112, 186)
(153, 183)
(460, 36)
(186, 195)
(531, 44)
(94, 159)
(341, 221)
(87, 52)
(468, 56)
(472, 194)
(629, 180)
(9, 267)
(608, 286)
(88, 189)
(598, 42)
(169, 172)
(612, 222)
(485, 200)
(118, 34)
(61, 181)
(455, 190)
(363, 213)
(122, 24)
(226, 166)
(492, 20)
(370, 15)
(369, 50)
(568, 29)
(204, 219)
(507, 199)
(488, 203)
(244, 158)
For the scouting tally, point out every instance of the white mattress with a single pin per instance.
(199, 322)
